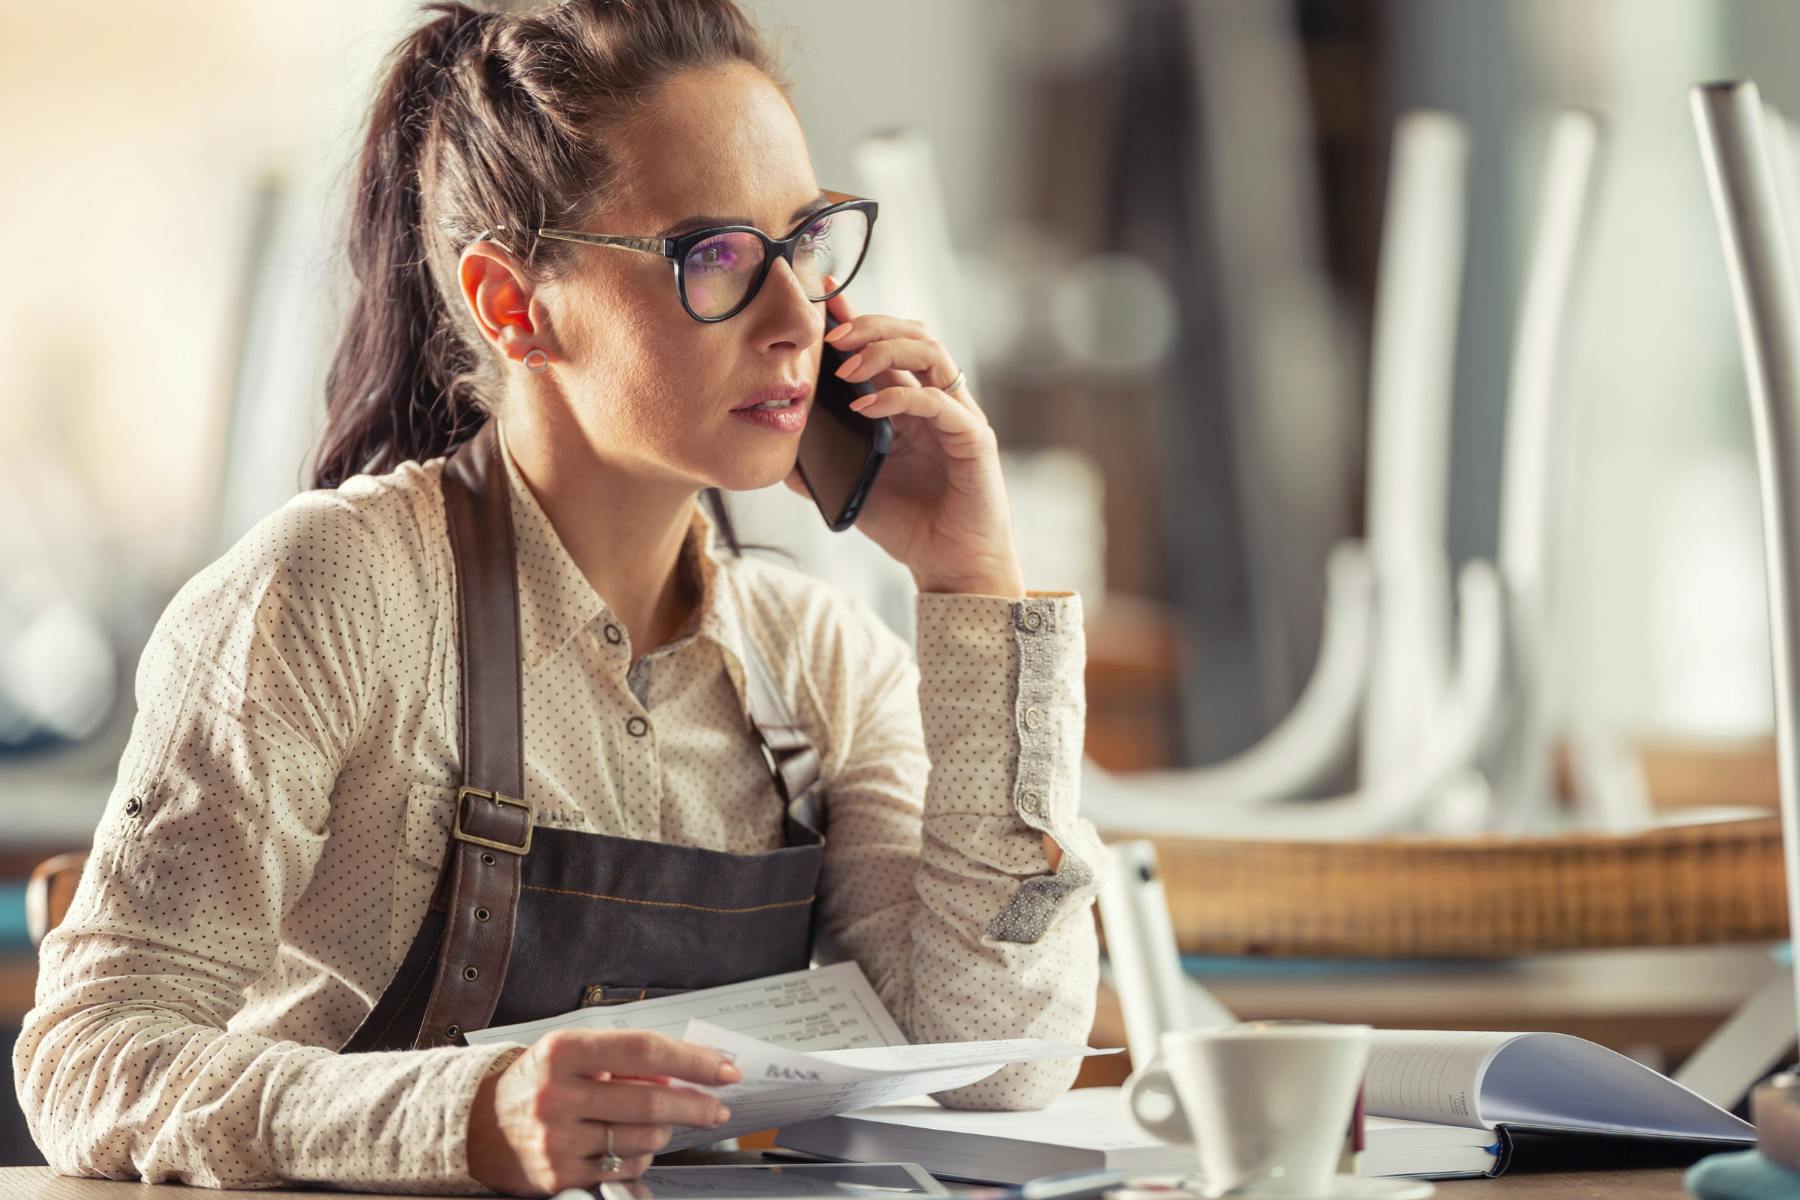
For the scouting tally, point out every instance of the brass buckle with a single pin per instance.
(456, 830)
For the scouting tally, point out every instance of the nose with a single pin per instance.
(786, 314)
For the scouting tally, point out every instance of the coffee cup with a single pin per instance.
(1265, 1104)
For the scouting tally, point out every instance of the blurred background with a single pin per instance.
(1152, 230)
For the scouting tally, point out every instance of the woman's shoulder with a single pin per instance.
(364, 542)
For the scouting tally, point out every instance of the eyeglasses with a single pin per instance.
(719, 271)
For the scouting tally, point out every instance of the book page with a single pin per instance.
(827, 1008)
(1537, 1080)
(1555, 1081)
(1429, 1075)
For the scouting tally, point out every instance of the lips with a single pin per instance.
(779, 391)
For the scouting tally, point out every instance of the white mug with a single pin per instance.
(1265, 1104)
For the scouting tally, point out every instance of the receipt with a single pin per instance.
(783, 1086)
(810, 1043)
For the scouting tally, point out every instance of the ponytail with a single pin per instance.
(392, 390)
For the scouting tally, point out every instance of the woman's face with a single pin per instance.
(649, 388)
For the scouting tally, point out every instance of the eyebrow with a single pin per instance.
(687, 224)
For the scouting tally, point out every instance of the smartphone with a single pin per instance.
(841, 451)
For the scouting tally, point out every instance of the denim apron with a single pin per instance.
(531, 921)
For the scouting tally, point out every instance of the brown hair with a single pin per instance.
(487, 119)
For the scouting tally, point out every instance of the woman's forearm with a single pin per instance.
(992, 903)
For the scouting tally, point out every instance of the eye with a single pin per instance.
(715, 255)
(817, 236)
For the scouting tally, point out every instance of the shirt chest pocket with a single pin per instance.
(425, 838)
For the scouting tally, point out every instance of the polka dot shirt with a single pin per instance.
(283, 805)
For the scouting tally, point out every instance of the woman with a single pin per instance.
(482, 727)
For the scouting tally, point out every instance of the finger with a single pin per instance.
(646, 1104)
(584, 1169)
(962, 431)
(588, 1138)
(839, 305)
(635, 1052)
(634, 1166)
(922, 356)
(862, 330)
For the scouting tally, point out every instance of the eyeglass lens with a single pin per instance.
(718, 271)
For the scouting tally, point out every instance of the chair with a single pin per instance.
(50, 891)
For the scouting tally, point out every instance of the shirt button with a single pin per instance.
(1033, 718)
(637, 727)
(133, 806)
(1030, 803)
(1034, 620)
(613, 635)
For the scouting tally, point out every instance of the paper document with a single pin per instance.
(811, 1044)
(783, 1086)
(829, 1008)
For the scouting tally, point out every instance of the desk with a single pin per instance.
(39, 1183)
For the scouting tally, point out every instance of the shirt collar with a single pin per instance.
(556, 601)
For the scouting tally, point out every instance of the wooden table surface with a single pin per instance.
(39, 1183)
(1589, 1185)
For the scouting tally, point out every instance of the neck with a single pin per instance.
(623, 532)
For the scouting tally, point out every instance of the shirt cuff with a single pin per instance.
(998, 674)
(1001, 683)
(461, 1093)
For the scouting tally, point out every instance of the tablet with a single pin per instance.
(760, 1181)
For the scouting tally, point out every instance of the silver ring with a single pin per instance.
(536, 361)
(956, 383)
(610, 1161)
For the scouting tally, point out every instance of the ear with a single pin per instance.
(503, 298)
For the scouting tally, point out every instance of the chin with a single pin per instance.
(741, 476)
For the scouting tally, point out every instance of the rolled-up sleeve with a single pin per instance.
(962, 756)
(253, 687)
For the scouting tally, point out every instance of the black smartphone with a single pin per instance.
(841, 451)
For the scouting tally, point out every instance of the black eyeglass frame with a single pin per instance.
(676, 248)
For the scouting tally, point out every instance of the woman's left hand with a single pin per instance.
(939, 504)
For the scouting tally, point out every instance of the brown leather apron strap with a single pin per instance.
(491, 828)
(491, 831)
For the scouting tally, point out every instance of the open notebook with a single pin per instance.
(1441, 1105)
(1541, 1098)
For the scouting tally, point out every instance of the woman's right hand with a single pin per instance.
(539, 1126)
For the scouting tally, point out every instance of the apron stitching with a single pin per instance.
(667, 903)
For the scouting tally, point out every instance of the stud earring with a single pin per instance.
(536, 361)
